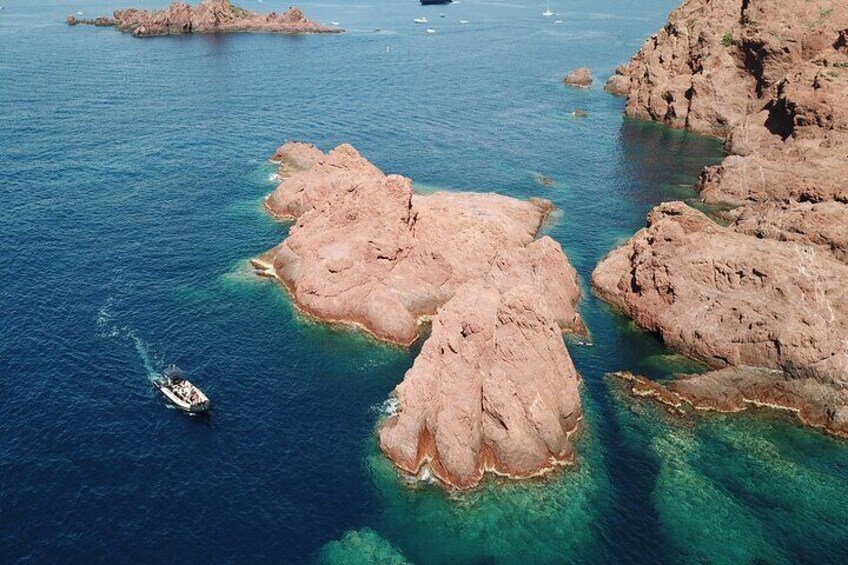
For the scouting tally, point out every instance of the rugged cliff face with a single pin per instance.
(209, 16)
(769, 76)
(767, 290)
(494, 387)
(736, 301)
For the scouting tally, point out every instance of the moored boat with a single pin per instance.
(181, 392)
(435, 2)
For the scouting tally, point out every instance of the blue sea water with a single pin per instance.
(132, 173)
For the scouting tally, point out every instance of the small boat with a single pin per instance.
(420, 20)
(431, 30)
(547, 11)
(334, 23)
(435, 2)
(557, 21)
(442, 15)
(463, 21)
(79, 12)
(181, 392)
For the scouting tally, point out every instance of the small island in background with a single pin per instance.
(209, 16)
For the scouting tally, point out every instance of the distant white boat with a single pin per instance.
(557, 21)
(79, 13)
(547, 11)
(431, 30)
(334, 23)
(463, 21)
(420, 20)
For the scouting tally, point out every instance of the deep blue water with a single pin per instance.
(132, 173)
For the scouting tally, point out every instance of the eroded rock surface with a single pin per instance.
(209, 16)
(494, 388)
(367, 250)
(735, 389)
(619, 83)
(771, 77)
(730, 299)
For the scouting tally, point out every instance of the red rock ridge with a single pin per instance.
(209, 16)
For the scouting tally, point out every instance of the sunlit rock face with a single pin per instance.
(730, 299)
(494, 388)
(766, 291)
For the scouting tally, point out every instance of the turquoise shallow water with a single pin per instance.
(132, 173)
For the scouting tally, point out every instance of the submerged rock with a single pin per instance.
(361, 547)
(367, 250)
(581, 78)
(209, 16)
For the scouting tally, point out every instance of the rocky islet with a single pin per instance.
(209, 16)
(494, 388)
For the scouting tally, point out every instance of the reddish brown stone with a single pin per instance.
(209, 16)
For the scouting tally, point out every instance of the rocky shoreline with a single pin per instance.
(209, 16)
(494, 389)
(763, 299)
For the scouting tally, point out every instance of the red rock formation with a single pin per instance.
(494, 388)
(727, 298)
(369, 251)
(646, 388)
(210, 16)
(772, 78)
(581, 78)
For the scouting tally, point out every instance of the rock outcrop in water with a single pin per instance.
(494, 387)
(367, 250)
(769, 289)
(735, 389)
(581, 78)
(209, 16)
(730, 299)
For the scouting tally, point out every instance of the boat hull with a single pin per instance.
(197, 408)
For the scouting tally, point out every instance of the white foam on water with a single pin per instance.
(388, 407)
